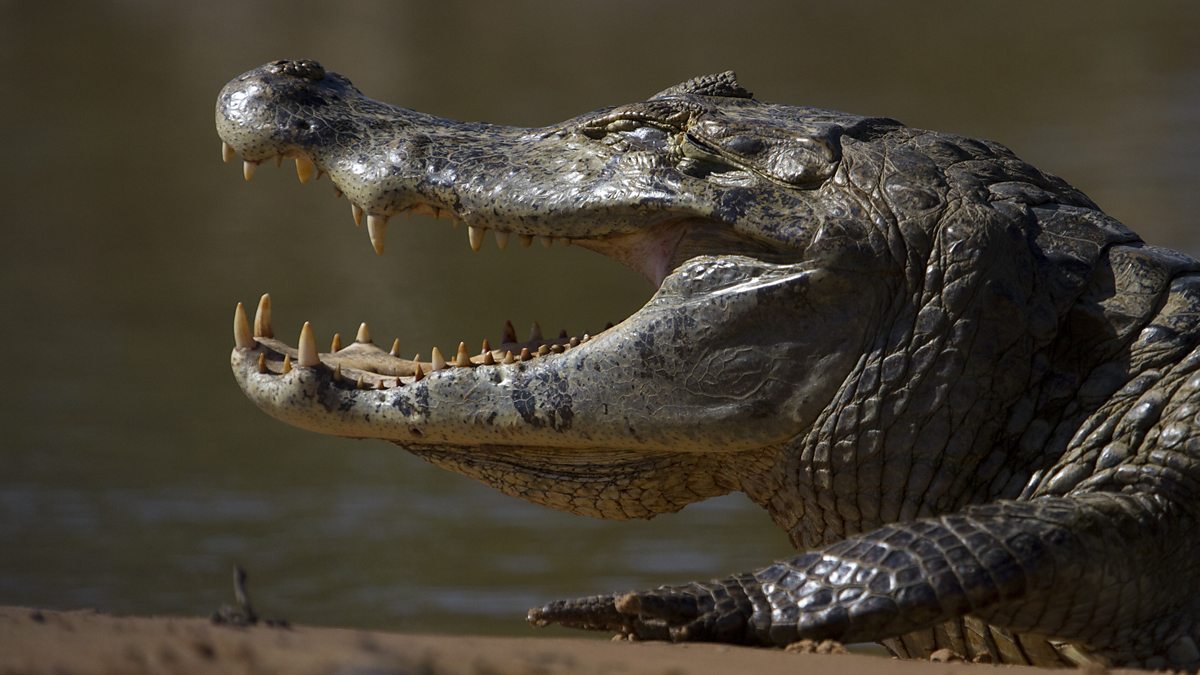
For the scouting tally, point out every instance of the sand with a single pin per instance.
(42, 641)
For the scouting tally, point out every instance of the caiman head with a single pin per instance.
(789, 248)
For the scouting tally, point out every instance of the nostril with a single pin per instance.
(303, 68)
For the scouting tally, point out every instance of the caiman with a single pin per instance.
(970, 397)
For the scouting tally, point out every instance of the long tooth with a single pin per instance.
(439, 361)
(501, 240)
(535, 332)
(357, 212)
(418, 374)
(308, 347)
(395, 348)
(547, 242)
(462, 359)
(487, 347)
(262, 364)
(360, 384)
(364, 333)
(508, 358)
(241, 329)
(475, 236)
(262, 317)
(287, 364)
(305, 169)
(227, 152)
(377, 228)
(248, 168)
(510, 333)
(525, 239)
(337, 373)
(335, 345)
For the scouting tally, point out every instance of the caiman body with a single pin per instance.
(968, 395)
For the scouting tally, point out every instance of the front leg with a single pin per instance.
(1060, 566)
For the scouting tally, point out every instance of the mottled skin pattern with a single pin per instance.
(964, 391)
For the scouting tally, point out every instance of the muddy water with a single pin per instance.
(134, 474)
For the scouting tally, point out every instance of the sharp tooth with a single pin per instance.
(227, 152)
(525, 240)
(439, 361)
(487, 347)
(262, 364)
(287, 364)
(535, 332)
(308, 347)
(418, 374)
(241, 329)
(357, 212)
(424, 210)
(335, 345)
(510, 333)
(360, 384)
(547, 242)
(337, 373)
(488, 359)
(462, 359)
(305, 169)
(382, 385)
(364, 333)
(262, 317)
(377, 228)
(525, 355)
(501, 240)
(508, 358)
(248, 169)
(395, 348)
(475, 237)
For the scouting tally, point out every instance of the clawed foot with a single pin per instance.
(712, 612)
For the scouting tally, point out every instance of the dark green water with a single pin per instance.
(132, 471)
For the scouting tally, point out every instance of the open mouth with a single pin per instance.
(363, 364)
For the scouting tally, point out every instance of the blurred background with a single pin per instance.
(133, 473)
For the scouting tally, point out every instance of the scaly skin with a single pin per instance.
(964, 391)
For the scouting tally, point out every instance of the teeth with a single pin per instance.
(535, 332)
(262, 364)
(487, 347)
(562, 333)
(475, 236)
(424, 210)
(508, 358)
(321, 174)
(547, 242)
(262, 317)
(439, 361)
(337, 192)
(357, 212)
(364, 333)
(462, 359)
(501, 240)
(556, 349)
(305, 169)
(360, 384)
(241, 329)
(510, 333)
(335, 345)
(525, 239)
(543, 350)
(418, 374)
(227, 152)
(574, 342)
(287, 364)
(377, 228)
(525, 355)
(248, 169)
(308, 347)
(337, 373)
(488, 359)
(395, 352)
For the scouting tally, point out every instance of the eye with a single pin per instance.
(745, 145)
